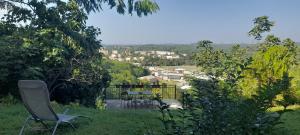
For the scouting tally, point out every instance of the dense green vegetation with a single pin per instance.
(124, 73)
(50, 41)
(241, 90)
(54, 45)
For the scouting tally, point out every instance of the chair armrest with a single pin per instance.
(66, 111)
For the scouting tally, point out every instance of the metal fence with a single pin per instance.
(165, 91)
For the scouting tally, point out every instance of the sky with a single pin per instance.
(189, 21)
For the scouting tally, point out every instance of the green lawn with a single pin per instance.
(291, 125)
(114, 122)
(108, 122)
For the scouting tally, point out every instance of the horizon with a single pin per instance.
(219, 21)
(175, 44)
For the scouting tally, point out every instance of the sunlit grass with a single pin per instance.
(279, 108)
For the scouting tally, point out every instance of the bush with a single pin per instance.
(100, 104)
(211, 110)
(85, 87)
(219, 106)
(8, 100)
(56, 47)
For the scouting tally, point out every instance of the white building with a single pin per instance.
(150, 78)
(120, 59)
(152, 68)
(179, 70)
(185, 87)
(127, 58)
(176, 57)
(187, 72)
(114, 51)
(103, 51)
(142, 58)
(137, 64)
(113, 56)
(169, 57)
(202, 76)
(164, 53)
(172, 76)
(172, 57)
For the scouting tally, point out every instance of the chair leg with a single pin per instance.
(56, 125)
(122, 103)
(44, 124)
(71, 125)
(24, 125)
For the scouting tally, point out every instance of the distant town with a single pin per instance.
(176, 75)
(138, 56)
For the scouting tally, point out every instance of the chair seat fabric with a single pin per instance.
(65, 118)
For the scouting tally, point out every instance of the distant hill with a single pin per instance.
(182, 48)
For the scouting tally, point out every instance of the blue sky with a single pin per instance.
(188, 21)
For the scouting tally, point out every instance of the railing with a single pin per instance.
(165, 91)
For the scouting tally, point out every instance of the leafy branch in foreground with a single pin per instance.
(140, 7)
(54, 45)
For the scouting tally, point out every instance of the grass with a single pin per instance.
(291, 124)
(107, 122)
(116, 122)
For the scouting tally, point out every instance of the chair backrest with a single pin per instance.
(36, 99)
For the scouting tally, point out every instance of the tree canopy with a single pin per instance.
(261, 24)
(50, 40)
(140, 7)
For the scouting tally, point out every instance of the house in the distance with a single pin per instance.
(103, 51)
(150, 78)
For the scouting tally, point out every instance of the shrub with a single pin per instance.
(8, 100)
(219, 106)
(56, 47)
(100, 104)
(211, 110)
